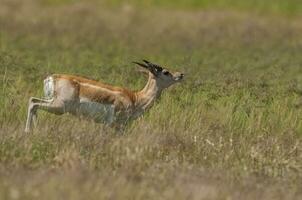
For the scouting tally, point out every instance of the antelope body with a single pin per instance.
(99, 101)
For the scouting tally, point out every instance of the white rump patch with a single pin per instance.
(49, 87)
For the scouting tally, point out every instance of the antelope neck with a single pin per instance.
(147, 96)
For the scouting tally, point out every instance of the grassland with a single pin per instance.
(231, 130)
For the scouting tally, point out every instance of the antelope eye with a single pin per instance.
(165, 72)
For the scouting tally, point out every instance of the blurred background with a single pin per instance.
(231, 130)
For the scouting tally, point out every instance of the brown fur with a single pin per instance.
(107, 94)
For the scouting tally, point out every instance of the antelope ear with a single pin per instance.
(153, 66)
(149, 66)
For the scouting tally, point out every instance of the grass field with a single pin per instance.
(231, 130)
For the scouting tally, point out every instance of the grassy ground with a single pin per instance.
(231, 130)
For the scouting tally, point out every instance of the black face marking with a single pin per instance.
(159, 69)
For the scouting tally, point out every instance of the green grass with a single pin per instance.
(274, 6)
(288, 7)
(231, 130)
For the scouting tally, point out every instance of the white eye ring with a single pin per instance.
(165, 72)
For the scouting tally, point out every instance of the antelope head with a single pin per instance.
(164, 78)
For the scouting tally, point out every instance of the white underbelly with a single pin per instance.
(96, 111)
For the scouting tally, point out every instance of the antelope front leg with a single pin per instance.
(115, 119)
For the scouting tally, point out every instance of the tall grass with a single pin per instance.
(231, 130)
(289, 7)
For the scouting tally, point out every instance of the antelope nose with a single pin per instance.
(182, 75)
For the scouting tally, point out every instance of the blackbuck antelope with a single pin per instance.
(99, 101)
